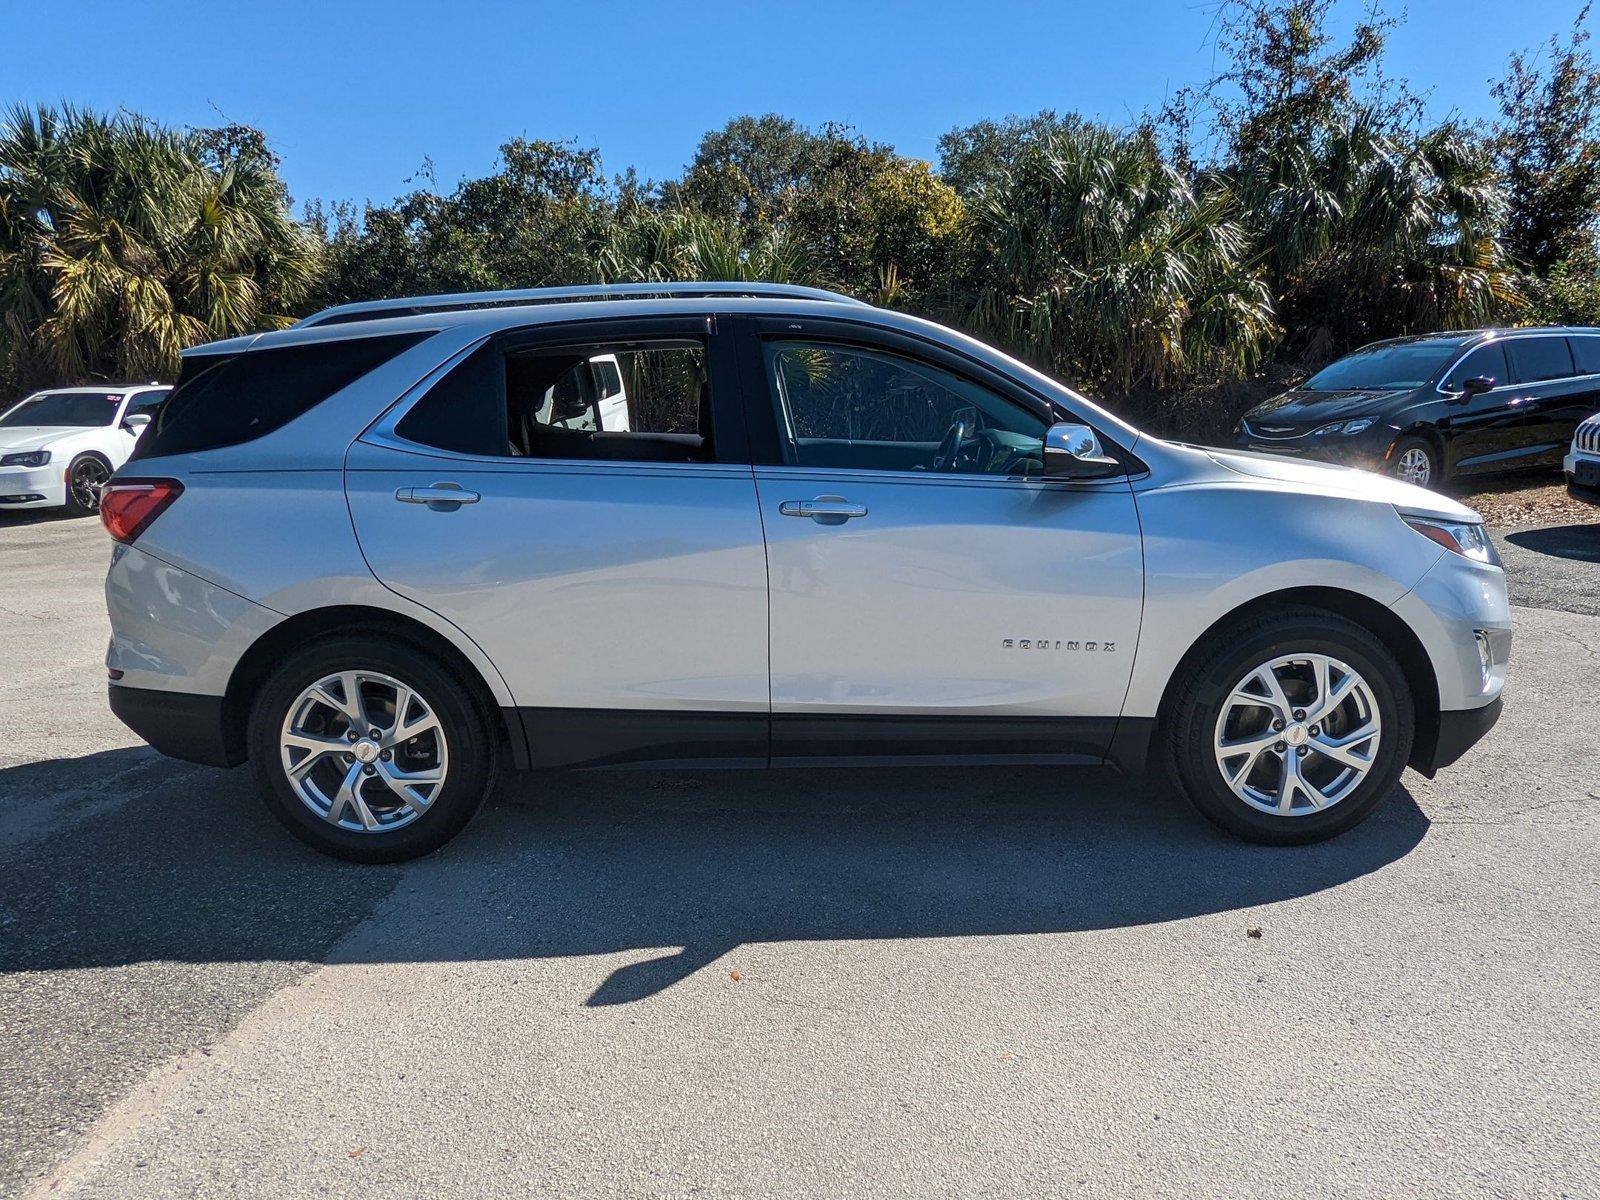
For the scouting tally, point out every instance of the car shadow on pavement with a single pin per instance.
(1581, 542)
(193, 869)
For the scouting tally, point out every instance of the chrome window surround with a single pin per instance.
(1516, 335)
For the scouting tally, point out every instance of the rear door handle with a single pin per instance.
(824, 510)
(440, 497)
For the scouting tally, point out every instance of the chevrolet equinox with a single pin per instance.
(744, 524)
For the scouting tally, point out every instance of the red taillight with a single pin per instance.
(127, 506)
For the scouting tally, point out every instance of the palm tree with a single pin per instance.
(1099, 260)
(121, 244)
(658, 245)
(1364, 231)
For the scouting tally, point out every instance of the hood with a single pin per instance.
(1343, 481)
(1298, 408)
(35, 437)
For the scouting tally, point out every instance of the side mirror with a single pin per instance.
(135, 423)
(1478, 383)
(1074, 452)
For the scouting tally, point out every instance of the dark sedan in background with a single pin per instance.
(1437, 406)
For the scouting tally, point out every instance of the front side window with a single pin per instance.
(1535, 359)
(862, 409)
(1486, 362)
(545, 403)
(77, 410)
(146, 403)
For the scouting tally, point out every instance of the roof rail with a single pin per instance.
(408, 306)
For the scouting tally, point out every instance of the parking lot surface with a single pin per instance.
(956, 982)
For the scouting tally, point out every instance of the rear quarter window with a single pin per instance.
(227, 400)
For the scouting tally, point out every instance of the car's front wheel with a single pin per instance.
(1291, 726)
(87, 476)
(1416, 461)
(368, 749)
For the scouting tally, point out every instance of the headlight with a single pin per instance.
(32, 458)
(1355, 426)
(1464, 538)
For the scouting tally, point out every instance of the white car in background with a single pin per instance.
(59, 447)
(1582, 465)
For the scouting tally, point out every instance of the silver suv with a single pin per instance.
(382, 551)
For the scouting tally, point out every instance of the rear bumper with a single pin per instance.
(178, 724)
(1459, 731)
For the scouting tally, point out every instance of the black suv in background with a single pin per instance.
(1435, 406)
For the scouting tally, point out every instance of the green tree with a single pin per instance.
(1101, 261)
(539, 219)
(1547, 145)
(122, 243)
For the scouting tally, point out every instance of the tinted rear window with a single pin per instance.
(1586, 354)
(226, 400)
(1537, 358)
(466, 410)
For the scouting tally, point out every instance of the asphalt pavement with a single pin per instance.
(1010, 982)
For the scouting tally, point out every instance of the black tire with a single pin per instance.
(472, 747)
(1190, 721)
(1412, 444)
(85, 505)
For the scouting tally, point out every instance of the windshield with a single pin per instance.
(1390, 368)
(85, 410)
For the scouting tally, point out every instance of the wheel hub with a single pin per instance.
(1295, 735)
(365, 751)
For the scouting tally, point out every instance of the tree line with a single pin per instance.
(1296, 205)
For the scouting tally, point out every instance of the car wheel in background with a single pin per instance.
(368, 749)
(1416, 461)
(87, 476)
(1290, 727)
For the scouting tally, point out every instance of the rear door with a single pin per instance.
(930, 595)
(616, 579)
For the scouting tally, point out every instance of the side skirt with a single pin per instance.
(648, 738)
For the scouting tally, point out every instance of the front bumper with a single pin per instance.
(32, 487)
(178, 724)
(1583, 477)
(1459, 731)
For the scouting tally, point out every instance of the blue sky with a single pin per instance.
(354, 93)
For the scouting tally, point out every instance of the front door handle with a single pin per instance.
(824, 510)
(440, 497)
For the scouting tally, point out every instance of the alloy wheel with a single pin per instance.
(1297, 734)
(364, 751)
(88, 480)
(1415, 467)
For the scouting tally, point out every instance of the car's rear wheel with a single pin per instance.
(368, 749)
(87, 476)
(1416, 461)
(1290, 727)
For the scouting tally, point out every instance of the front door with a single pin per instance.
(617, 578)
(930, 595)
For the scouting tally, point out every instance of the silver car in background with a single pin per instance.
(385, 550)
